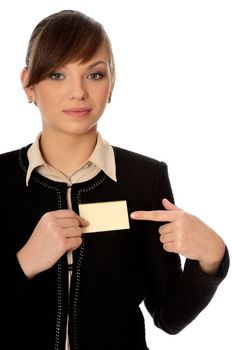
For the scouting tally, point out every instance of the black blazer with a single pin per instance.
(113, 272)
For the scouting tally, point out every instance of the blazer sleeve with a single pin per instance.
(176, 292)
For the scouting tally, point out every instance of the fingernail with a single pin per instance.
(86, 222)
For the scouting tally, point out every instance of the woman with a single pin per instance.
(81, 256)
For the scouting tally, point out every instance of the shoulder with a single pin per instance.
(8, 156)
(12, 159)
(143, 176)
(137, 167)
(127, 158)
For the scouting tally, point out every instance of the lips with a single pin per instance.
(77, 111)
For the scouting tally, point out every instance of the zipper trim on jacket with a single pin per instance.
(79, 263)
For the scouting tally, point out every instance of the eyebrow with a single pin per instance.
(97, 63)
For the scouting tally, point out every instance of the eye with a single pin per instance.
(56, 76)
(95, 76)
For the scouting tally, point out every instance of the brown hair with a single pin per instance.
(64, 37)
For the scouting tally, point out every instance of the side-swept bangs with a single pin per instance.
(63, 37)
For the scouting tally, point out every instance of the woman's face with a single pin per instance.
(72, 98)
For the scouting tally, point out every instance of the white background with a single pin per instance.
(172, 101)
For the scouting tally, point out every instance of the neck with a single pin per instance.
(67, 153)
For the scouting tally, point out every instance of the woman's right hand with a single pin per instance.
(56, 233)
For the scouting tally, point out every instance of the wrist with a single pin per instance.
(211, 269)
(212, 265)
(25, 266)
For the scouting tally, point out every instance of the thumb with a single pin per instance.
(168, 205)
(83, 222)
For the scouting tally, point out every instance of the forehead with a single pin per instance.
(101, 56)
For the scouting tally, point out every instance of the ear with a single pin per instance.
(29, 91)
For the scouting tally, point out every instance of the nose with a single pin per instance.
(77, 89)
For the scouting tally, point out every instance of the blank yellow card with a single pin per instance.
(105, 216)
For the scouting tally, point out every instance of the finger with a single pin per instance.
(73, 243)
(72, 232)
(63, 213)
(166, 238)
(83, 222)
(170, 247)
(164, 229)
(78, 221)
(69, 222)
(168, 205)
(70, 214)
(154, 215)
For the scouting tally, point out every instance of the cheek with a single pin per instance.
(103, 93)
(45, 98)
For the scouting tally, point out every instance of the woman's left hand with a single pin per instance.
(187, 235)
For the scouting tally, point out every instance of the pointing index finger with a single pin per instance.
(154, 215)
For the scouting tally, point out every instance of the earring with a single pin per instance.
(29, 100)
(109, 99)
